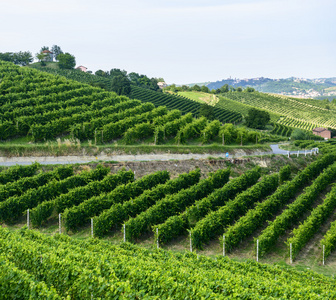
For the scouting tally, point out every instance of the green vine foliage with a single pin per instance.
(77, 216)
(174, 204)
(60, 267)
(120, 212)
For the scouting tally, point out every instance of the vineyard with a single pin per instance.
(172, 102)
(299, 113)
(202, 208)
(206, 209)
(41, 107)
(59, 267)
(185, 105)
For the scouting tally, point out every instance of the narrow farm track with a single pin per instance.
(51, 160)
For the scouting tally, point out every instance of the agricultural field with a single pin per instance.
(60, 267)
(185, 104)
(191, 210)
(201, 97)
(39, 107)
(299, 113)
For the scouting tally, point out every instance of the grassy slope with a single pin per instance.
(201, 97)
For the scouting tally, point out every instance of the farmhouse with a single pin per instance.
(47, 55)
(162, 84)
(323, 132)
(82, 68)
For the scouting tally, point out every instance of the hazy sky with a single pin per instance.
(182, 41)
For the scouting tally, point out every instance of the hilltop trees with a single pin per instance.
(121, 85)
(66, 61)
(21, 58)
(56, 50)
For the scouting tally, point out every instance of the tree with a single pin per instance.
(196, 88)
(121, 85)
(44, 48)
(224, 88)
(101, 73)
(116, 72)
(204, 89)
(239, 89)
(7, 56)
(249, 89)
(134, 77)
(257, 119)
(22, 58)
(40, 57)
(298, 134)
(206, 111)
(66, 61)
(56, 50)
(19, 58)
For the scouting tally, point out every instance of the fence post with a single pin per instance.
(157, 239)
(290, 253)
(257, 250)
(323, 254)
(124, 227)
(190, 243)
(59, 224)
(223, 244)
(28, 218)
(92, 227)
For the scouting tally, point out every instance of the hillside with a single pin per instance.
(41, 107)
(55, 267)
(184, 211)
(298, 87)
(293, 112)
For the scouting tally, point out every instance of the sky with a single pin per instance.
(183, 41)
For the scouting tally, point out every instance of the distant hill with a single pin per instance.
(289, 111)
(304, 88)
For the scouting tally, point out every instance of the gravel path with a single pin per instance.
(5, 161)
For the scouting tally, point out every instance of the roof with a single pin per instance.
(46, 51)
(320, 129)
(81, 67)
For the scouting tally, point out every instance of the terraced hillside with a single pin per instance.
(300, 113)
(185, 208)
(170, 101)
(45, 107)
(184, 104)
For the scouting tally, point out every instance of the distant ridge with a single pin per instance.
(298, 87)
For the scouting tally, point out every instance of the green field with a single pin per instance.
(200, 97)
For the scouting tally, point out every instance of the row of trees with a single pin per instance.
(224, 89)
(21, 58)
(123, 80)
(65, 60)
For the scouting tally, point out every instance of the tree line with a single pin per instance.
(224, 89)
